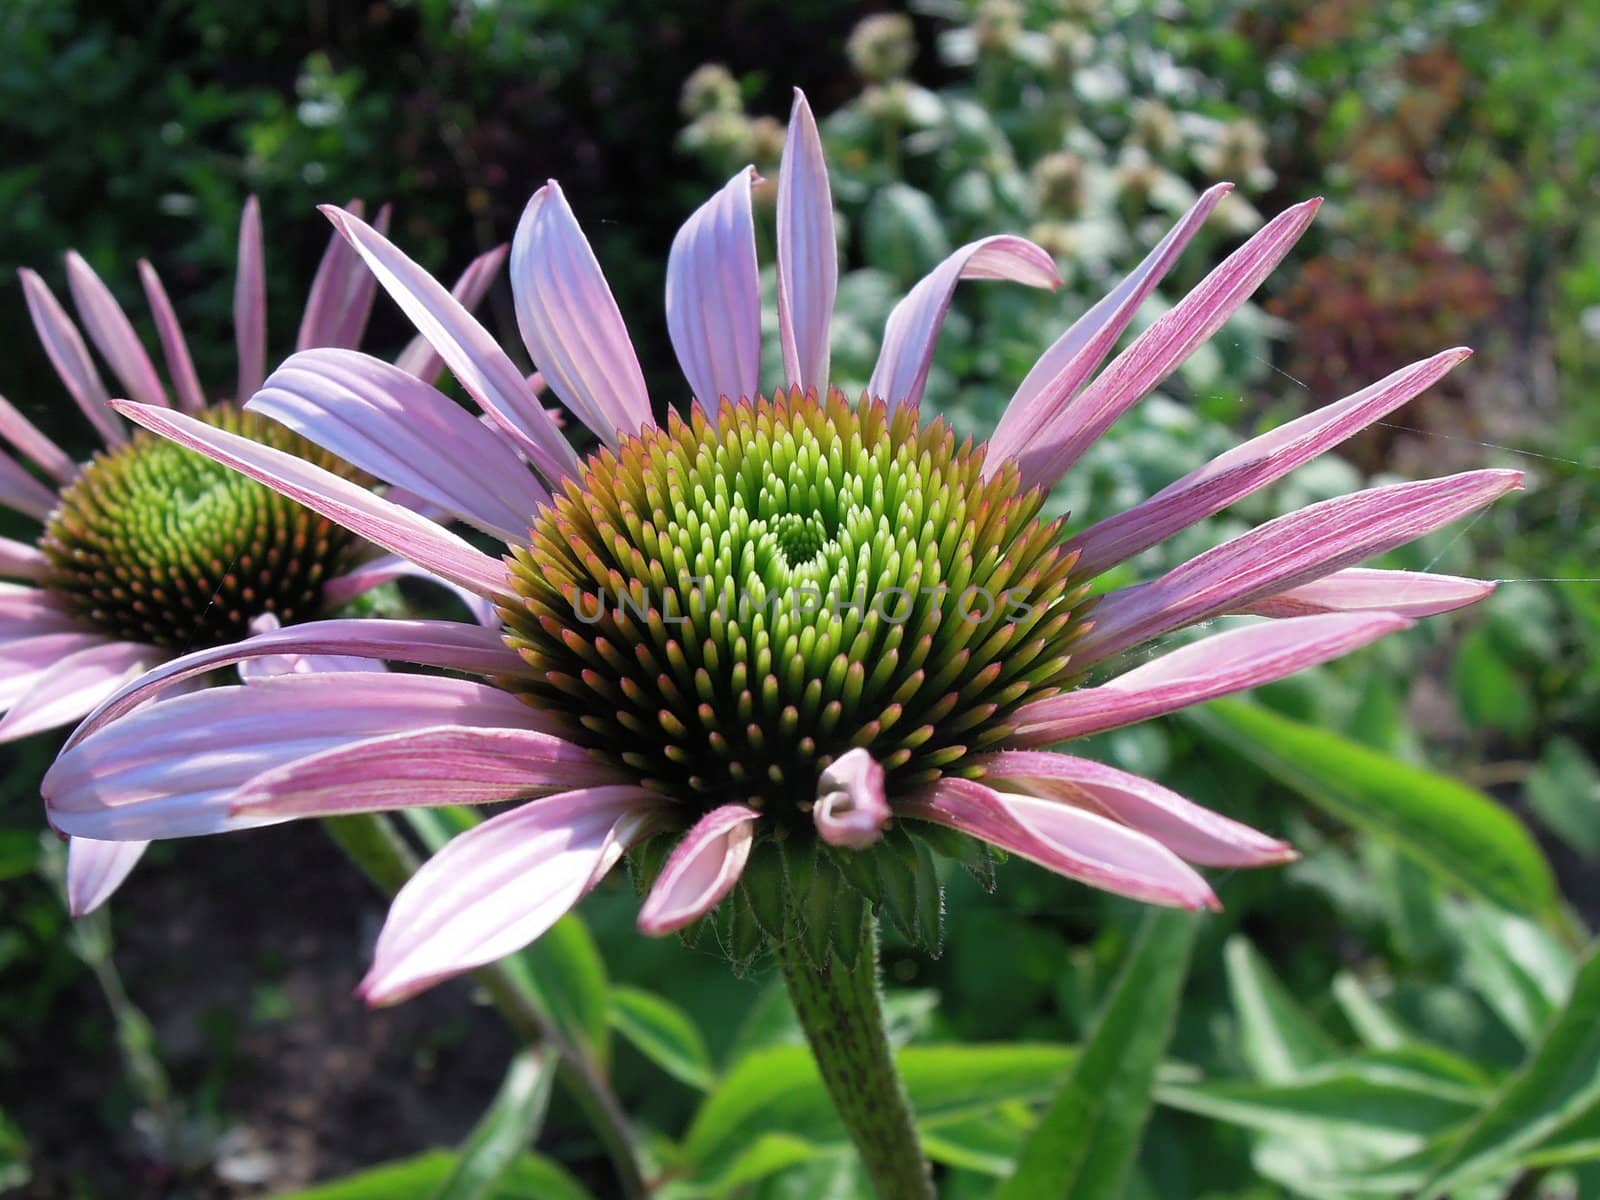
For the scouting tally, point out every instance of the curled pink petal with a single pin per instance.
(1215, 666)
(914, 324)
(75, 684)
(19, 490)
(267, 665)
(1365, 589)
(851, 810)
(18, 560)
(379, 521)
(808, 253)
(703, 868)
(1067, 840)
(342, 589)
(1062, 370)
(96, 869)
(1190, 831)
(63, 344)
(714, 297)
(191, 397)
(250, 302)
(571, 323)
(110, 330)
(500, 885)
(34, 445)
(419, 358)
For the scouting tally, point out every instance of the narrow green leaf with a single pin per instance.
(1442, 823)
(664, 1034)
(530, 1177)
(1087, 1140)
(505, 1130)
(1374, 1024)
(1278, 1039)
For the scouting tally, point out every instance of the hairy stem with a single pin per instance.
(842, 1015)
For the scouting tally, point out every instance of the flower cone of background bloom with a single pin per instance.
(148, 551)
(816, 736)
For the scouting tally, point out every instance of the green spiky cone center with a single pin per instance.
(156, 543)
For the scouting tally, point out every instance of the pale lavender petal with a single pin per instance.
(70, 357)
(28, 610)
(34, 445)
(419, 358)
(851, 810)
(1069, 841)
(1063, 369)
(1252, 465)
(341, 589)
(18, 560)
(75, 684)
(110, 330)
(361, 289)
(1194, 833)
(1215, 666)
(21, 491)
(96, 869)
(1286, 553)
(1159, 350)
(334, 282)
(351, 505)
(475, 358)
(1365, 589)
(191, 397)
(394, 426)
(500, 885)
(703, 868)
(253, 670)
(570, 322)
(808, 255)
(250, 303)
(30, 650)
(913, 326)
(714, 297)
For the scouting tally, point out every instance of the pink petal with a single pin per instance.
(63, 344)
(851, 810)
(1215, 666)
(74, 685)
(110, 330)
(703, 868)
(913, 326)
(1062, 370)
(342, 291)
(250, 302)
(1364, 589)
(450, 645)
(253, 670)
(571, 323)
(1251, 466)
(96, 869)
(1159, 350)
(191, 397)
(474, 357)
(379, 521)
(808, 254)
(34, 445)
(341, 589)
(1190, 831)
(31, 650)
(402, 430)
(419, 358)
(19, 490)
(25, 611)
(1286, 553)
(18, 560)
(714, 297)
(499, 885)
(1069, 841)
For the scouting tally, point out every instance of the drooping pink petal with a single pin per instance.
(1064, 368)
(19, 490)
(341, 589)
(34, 445)
(110, 330)
(808, 253)
(253, 670)
(851, 810)
(1069, 841)
(1248, 467)
(714, 297)
(96, 869)
(1159, 350)
(570, 321)
(31, 650)
(191, 397)
(250, 302)
(473, 356)
(1286, 553)
(63, 344)
(18, 560)
(394, 426)
(1366, 589)
(75, 684)
(419, 358)
(450, 645)
(913, 326)
(341, 282)
(1215, 666)
(703, 868)
(500, 885)
(173, 768)
(379, 521)
(1194, 833)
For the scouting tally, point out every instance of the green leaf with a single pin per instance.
(1278, 1039)
(505, 1130)
(1087, 1139)
(1564, 790)
(902, 233)
(664, 1034)
(530, 1177)
(1442, 823)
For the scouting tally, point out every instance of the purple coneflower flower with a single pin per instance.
(812, 634)
(149, 550)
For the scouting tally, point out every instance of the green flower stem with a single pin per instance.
(841, 1012)
(373, 844)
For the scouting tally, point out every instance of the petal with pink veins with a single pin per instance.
(419, 358)
(180, 365)
(73, 685)
(1366, 589)
(22, 492)
(63, 345)
(851, 810)
(341, 589)
(96, 869)
(703, 868)
(34, 445)
(110, 330)
(808, 253)
(18, 560)
(250, 302)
